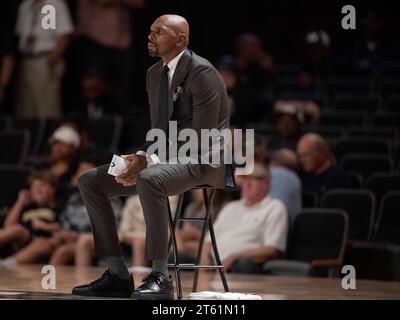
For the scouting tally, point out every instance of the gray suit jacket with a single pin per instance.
(200, 103)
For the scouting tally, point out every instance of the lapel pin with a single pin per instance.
(177, 93)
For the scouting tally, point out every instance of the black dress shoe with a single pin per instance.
(108, 285)
(156, 286)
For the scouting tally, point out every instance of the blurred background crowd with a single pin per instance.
(324, 103)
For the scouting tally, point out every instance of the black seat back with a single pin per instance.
(388, 225)
(318, 233)
(358, 204)
(13, 180)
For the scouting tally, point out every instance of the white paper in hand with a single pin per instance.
(118, 165)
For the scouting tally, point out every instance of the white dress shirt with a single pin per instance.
(172, 66)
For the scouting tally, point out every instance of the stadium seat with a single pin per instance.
(356, 102)
(388, 225)
(134, 132)
(329, 132)
(349, 85)
(382, 182)
(387, 133)
(14, 179)
(106, 131)
(360, 145)
(392, 103)
(14, 145)
(309, 199)
(356, 179)
(366, 164)
(359, 205)
(5, 122)
(342, 118)
(36, 128)
(386, 119)
(375, 261)
(316, 242)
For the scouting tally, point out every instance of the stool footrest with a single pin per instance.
(189, 266)
(191, 219)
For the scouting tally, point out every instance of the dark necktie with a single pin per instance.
(162, 121)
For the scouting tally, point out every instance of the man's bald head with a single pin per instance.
(313, 152)
(169, 35)
(316, 142)
(177, 23)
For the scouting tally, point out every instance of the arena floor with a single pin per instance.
(25, 282)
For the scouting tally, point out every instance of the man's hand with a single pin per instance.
(24, 197)
(138, 163)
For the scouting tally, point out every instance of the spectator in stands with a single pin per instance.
(252, 59)
(7, 51)
(309, 111)
(290, 124)
(97, 99)
(317, 63)
(62, 159)
(41, 63)
(254, 67)
(373, 46)
(251, 230)
(317, 173)
(32, 219)
(73, 220)
(285, 184)
(226, 68)
(105, 38)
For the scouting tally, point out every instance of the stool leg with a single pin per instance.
(175, 253)
(207, 204)
(177, 215)
(216, 255)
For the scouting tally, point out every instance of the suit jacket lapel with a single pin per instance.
(155, 83)
(179, 75)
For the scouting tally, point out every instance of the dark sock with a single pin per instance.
(160, 266)
(118, 267)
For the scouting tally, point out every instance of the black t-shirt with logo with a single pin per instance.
(33, 212)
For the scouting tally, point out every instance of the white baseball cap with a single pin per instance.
(66, 135)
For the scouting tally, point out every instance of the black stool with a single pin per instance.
(207, 223)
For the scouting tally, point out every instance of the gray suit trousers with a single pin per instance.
(154, 184)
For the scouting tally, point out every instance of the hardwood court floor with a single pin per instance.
(25, 283)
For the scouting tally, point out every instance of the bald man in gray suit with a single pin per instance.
(181, 87)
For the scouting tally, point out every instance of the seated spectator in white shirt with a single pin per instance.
(252, 230)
